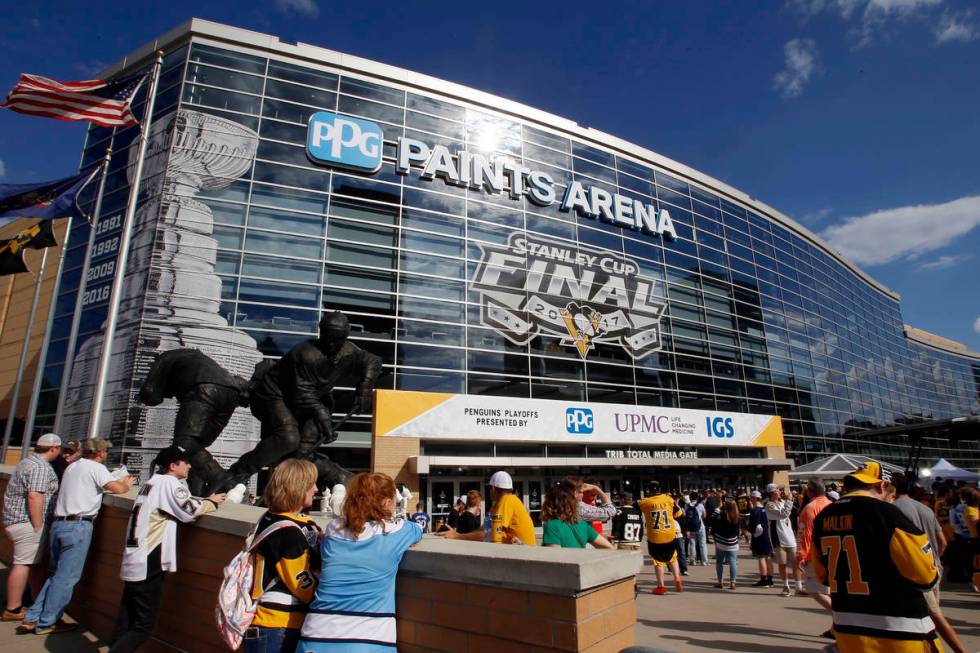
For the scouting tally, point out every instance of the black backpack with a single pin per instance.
(692, 520)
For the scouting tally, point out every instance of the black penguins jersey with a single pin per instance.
(877, 564)
(627, 525)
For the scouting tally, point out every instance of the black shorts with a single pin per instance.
(662, 553)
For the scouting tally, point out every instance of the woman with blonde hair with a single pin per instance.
(354, 606)
(562, 525)
(286, 560)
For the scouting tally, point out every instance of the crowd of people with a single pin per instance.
(871, 552)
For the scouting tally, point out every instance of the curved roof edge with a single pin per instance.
(404, 77)
(940, 343)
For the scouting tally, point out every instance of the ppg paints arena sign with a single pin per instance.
(584, 295)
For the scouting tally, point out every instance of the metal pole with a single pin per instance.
(109, 333)
(76, 317)
(14, 396)
(43, 352)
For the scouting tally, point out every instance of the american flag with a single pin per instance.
(103, 103)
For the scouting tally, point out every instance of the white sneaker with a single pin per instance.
(236, 494)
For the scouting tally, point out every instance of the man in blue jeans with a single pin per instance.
(76, 508)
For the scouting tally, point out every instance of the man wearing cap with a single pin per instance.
(77, 506)
(627, 524)
(778, 510)
(510, 521)
(151, 545)
(878, 566)
(70, 451)
(27, 505)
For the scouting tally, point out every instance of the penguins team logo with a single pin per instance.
(585, 295)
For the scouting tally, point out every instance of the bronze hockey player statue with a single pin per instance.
(291, 398)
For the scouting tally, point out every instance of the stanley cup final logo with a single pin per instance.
(582, 294)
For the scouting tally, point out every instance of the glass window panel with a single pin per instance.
(363, 233)
(371, 110)
(359, 278)
(227, 58)
(503, 362)
(431, 243)
(302, 75)
(352, 208)
(422, 356)
(372, 91)
(220, 99)
(280, 268)
(225, 213)
(290, 176)
(428, 123)
(430, 332)
(419, 219)
(437, 107)
(357, 300)
(285, 221)
(288, 198)
(282, 153)
(280, 293)
(426, 309)
(498, 386)
(322, 100)
(228, 237)
(441, 289)
(219, 77)
(433, 201)
(283, 131)
(272, 243)
(422, 381)
(546, 138)
(287, 111)
(257, 316)
(434, 265)
(361, 255)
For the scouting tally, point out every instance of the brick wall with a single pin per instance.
(437, 615)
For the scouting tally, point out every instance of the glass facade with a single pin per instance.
(759, 317)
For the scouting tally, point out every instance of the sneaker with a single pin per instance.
(802, 592)
(14, 615)
(785, 591)
(660, 591)
(55, 628)
(684, 573)
(26, 627)
(760, 583)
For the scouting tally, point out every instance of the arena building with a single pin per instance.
(568, 302)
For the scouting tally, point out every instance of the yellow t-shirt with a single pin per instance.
(970, 516)
(511, 524)
(659, 514)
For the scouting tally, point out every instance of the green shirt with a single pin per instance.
(563, 534)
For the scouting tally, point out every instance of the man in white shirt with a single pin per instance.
(778, 511)
(76, 508)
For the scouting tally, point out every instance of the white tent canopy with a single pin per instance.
(836, 467)
(947, 470)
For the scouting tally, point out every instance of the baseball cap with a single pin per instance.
(755, 494)
(772, 487)
(871, 473)
(171, 455)
(628, 497)
(833, 495)
(71, 445)
(95, 445)
(502, 480)
(461, 499)
(49, 440)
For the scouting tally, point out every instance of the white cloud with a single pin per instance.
(3, 168)
(956, 27)
(303, 7)
(869, 18)
(801, 64)
(906, 232)
(945, 261)
(976, 325)
(813, 217)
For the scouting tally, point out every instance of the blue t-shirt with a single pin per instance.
(354, 606)
(422, 519)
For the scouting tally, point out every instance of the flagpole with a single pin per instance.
(43, 351)
(25, 348)
(109, 333)
(76, 317)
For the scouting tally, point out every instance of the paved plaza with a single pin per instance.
(701, 619)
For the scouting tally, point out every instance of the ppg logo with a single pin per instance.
(344, 141)
(720, 427)
(579, 420)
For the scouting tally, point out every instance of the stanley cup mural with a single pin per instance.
(173, 257)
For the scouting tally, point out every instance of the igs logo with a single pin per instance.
(344, 141)
(579, 420)
(720, 427)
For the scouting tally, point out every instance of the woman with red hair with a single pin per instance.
(354, 606)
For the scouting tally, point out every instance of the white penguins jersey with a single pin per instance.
(161, 503)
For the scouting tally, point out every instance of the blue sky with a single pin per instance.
(859, 118)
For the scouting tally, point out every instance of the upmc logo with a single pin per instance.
(579, 420)
(344, 141)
